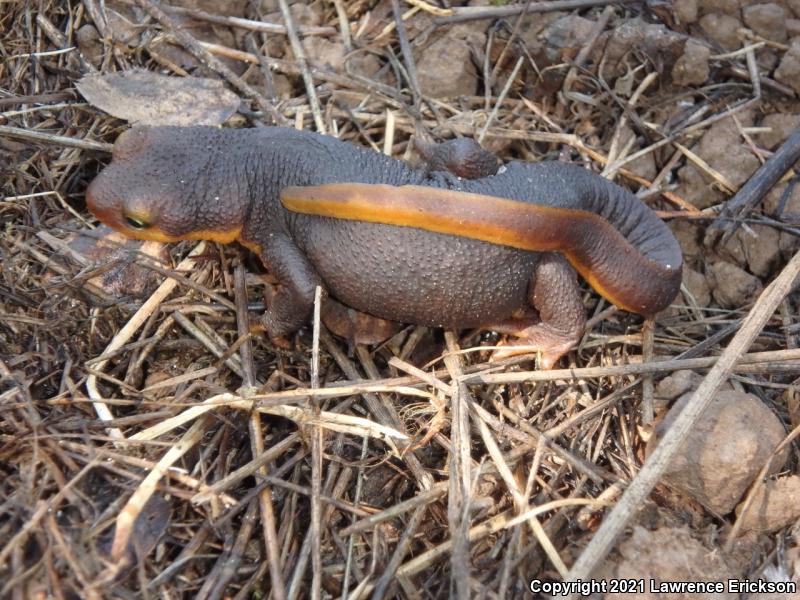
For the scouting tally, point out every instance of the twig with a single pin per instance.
(133, 507)
(473, 13)
(785, 359)
(300, 57)
(131, 327)
(257, 439)
(648, 334)
(389, 572)
(500, 98)
(344, 25)
(408, 57)
(458, 501)
(316, 461)
(43, 508)
(262, 26)
(60, 140)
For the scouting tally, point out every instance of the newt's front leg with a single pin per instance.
(290, 307)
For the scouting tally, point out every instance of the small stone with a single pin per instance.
(726, 7)
(788, 72)
(366, 65)
(774, 505)
(725, 449)
(731, 286)
(303, 15)
(789, 245)
(570, 31)
(723, 148)
(694, 188)
(629, 34)
(284, 89)
(781, 126)
(767, 20)
(676, 384)
(762, 251)
(324, 53)
(783, 209)
(89, 44)
(722, 28)
(686, 10)
(697, 287)
(445, 68)
(767, 59)
(692, 67)
(755, 249)
(688, 235)
(533, 26)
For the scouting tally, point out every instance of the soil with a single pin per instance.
(154, 443)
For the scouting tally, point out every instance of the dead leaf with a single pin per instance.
(147, 98)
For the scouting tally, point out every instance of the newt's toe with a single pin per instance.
(549, 343)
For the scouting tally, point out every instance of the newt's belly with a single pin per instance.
(415, 276)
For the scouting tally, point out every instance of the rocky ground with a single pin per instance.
(132, 463)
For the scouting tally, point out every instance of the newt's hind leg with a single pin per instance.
(555, 294)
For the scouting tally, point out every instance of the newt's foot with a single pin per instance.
(550, 343)
(354, 326)
(281, 341)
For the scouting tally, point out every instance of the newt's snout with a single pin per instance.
(102, 204)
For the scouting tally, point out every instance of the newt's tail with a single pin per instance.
(629, 256)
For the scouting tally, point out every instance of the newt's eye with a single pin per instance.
(136, 223)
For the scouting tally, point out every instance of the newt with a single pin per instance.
(496, 249)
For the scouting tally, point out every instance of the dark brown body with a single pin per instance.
(225, 185)
(394, 273)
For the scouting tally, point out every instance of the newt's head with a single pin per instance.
(161, 185)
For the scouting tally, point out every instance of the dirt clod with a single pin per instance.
(692, 67)
(767, 20)
(721, 28)
(676, 384)
(697, 287)
(788, 71)
(727, 447)
(446, 68)
(667, 555)
(774, 505)
(732, 285)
